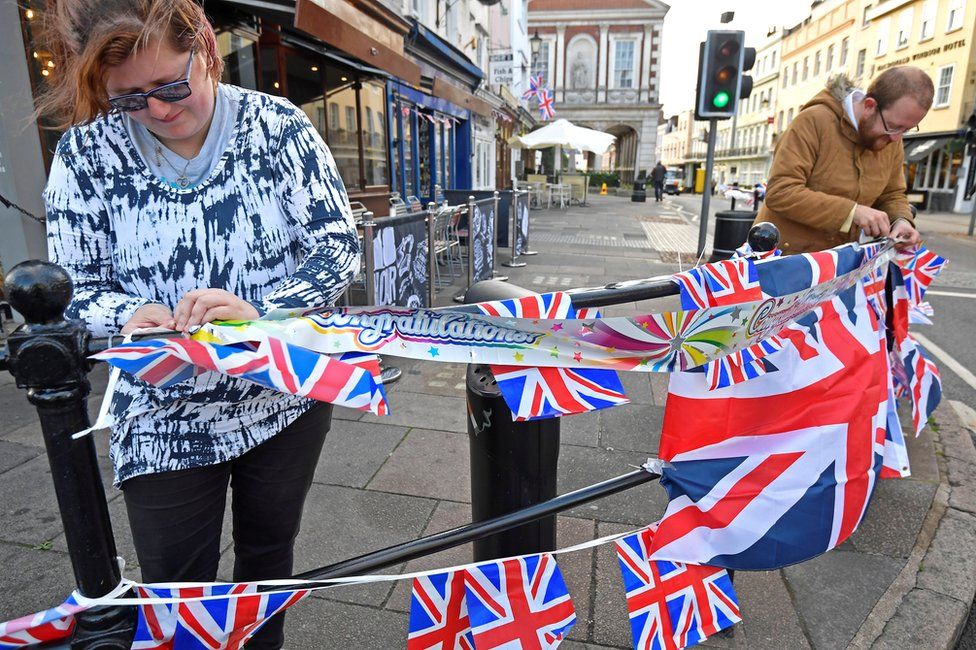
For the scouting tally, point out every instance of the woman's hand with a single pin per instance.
(204, 305)
(150, 315)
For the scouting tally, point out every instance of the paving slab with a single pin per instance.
(853, 582)
(611, 624)
(921, 452)
(35, 580)
(29, 509)
(331, 625)
(921, 622)
(949, 566)
(632, 427)
(894, 517)
(430, 464)
(637, 386)
(582, 429)
(582, 466)
(13, 454)
(769, 621)
(445, 379)
(354, 451)
(409, 409)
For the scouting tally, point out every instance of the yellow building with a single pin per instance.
(936, 36)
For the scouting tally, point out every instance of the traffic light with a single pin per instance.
(722, 64)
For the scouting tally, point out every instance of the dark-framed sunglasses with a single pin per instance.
(171, 92)
(888, 131)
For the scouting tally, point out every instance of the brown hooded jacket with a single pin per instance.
(820, 171)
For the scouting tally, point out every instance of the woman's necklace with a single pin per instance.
(182, 181)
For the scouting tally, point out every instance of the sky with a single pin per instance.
(684, 28)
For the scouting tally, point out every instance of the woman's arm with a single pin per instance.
(79, 239)
(313, 198)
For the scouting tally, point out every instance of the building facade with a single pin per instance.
(602, 61)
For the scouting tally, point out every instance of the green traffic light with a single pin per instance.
(721, 100)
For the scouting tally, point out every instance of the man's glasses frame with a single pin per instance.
(171, 92)
(888, 131)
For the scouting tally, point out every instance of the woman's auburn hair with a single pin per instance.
(87, 37)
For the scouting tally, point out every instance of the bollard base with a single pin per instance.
(514, 265)
(104, 628)
(528, 253)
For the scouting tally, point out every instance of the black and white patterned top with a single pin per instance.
(271, 224)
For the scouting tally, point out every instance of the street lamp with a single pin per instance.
(535, 43)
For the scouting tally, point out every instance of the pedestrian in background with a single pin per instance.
(657, 177)
(174, 200)
(838, 171)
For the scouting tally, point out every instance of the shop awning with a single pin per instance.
(445, 50)
(342, 25)
(919, 148)
(460, 97)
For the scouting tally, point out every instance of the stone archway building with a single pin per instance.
(602, 61)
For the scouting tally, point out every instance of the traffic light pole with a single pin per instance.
(707, 193)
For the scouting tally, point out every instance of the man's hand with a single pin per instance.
(204, 305)
(871, 222)
(905, 234)
(150, 315)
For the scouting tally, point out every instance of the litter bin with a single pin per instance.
(640, 194)
(731, 231)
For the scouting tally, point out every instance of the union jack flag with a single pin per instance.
(439, 613)
(270, 363)
(532, 392)
(919, 268)
(55, 624)
(519, 603)
(546, 109)
(779, 469)
(536, 87)
(743, 365)
(218, 616)
(727, 282)
(673, 605)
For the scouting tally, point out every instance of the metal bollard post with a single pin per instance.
(513, 211)
(431, 252)
(470, 241)
(494, 239)
(47, 357)
(370, 279)
(513, 464)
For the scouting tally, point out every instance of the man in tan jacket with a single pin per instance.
(838, 168)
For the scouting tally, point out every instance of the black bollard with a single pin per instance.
(639, 195)
(513, 464)
(763, 237)
(46, 356)
(731, 231)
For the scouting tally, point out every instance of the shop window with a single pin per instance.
(303, 77)
(408, 122)
(343, 136)
(240, 54)
(43, 67)
(373, 99)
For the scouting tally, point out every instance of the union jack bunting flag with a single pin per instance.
(746, 251)
(727, 282)
(781, 468)
(919, 268)
(49, 626)
(230, 615)
(743, 365)
(533, 393)
(536, 87)
(519, 603)
(271, 363)
(546, 109)
(672, 605)
(439, 613)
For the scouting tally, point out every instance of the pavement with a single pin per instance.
(906, 578)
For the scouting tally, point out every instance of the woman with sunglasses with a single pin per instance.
(175, 200)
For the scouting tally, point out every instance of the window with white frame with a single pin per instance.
(881, 44)
(773, 62)
(845, 45)
(943, 88)
(829, 64)
(954, 14)
(623, 63)
(927, 28)
(417, 9)
(859, 69)
(540, 61)
(806, 67)
(816, 64)
(904, 28)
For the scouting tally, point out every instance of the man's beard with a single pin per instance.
(876, 143)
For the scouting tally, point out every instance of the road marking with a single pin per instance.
(950, 294)
(945, 358)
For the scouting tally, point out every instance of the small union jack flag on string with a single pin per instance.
(519, 603)
(673, 605)
(51, 625)
(547, 110)
(532, 392)
(718, 284)
(223, 617)
(743, 365)
(919, 268)
(270, 363)
(536, 87)
(439, 613)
